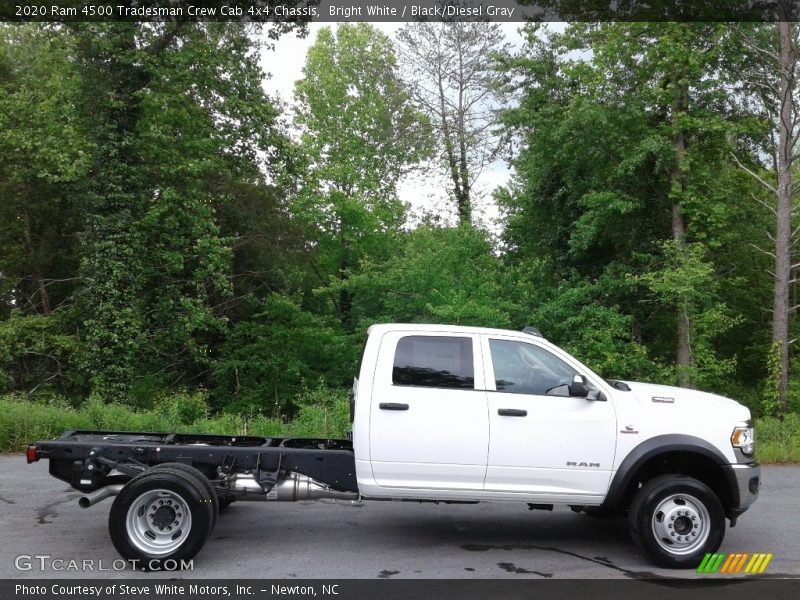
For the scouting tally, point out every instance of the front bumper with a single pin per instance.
(747, 480)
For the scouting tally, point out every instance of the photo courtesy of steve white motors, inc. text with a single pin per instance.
(172, 590)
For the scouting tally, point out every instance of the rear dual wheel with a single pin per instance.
(162, 517)
(201, 478)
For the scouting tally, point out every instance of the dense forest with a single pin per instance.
(168, 229)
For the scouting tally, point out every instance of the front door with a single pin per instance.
(544, 441)
(429, 427)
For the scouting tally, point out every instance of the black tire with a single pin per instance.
(178, 483)
(656, 506)
(201, 478)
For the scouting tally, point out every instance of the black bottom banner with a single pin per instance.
(440, 589)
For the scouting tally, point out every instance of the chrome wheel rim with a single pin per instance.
(158, 522)
(681, 524)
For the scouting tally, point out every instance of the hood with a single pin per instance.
(645, 392)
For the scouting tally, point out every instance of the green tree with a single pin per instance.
(435, 275)
(360, 135)
(449, 68)
(43, 158)
(623, 146)
(278, 352)
(766, 87)
(43, 163)
(674, 70)
(172, 109)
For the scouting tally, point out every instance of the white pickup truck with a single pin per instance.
(447, 414)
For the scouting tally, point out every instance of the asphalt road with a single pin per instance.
(39, 515)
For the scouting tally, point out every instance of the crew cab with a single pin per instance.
(446, 414)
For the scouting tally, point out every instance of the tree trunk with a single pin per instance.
(345, 297)
(465, 202)
(783, 230)
(38, 276)
(683, 353)
(461, 195)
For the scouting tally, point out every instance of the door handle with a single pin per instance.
(512, 412)
(392, 406)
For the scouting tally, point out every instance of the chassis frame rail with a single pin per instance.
(89, 460)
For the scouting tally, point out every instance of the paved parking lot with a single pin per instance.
(39, 515)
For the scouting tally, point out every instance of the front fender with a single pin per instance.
(665, 444)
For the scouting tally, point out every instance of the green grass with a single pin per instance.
(23, 421)
(778, 440)
(322, 413)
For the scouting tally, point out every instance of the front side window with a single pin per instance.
(521, 368)
(434, 361)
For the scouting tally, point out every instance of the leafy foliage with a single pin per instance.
(179, 251)
(39, 353)
(439, 275)
(686, 280)
(360, 134)
(277, 353)
(599, 184)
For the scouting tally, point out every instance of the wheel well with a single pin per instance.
(691, 464)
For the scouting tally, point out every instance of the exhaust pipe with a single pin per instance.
(99, 495)
(291, 488)
(300, 487)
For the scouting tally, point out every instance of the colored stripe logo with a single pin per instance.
(732, 564)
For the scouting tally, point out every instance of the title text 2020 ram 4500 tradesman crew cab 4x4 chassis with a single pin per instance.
(451, 414)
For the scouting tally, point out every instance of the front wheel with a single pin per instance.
(675, 520)
(161, 519)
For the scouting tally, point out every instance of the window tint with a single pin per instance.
(521, 368)
(432, 361)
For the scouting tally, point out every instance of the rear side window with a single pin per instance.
(431, 361)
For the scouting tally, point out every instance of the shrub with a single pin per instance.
(778, 440)
(324, 412)
(22, 422)
(184, 408)
(39, 353)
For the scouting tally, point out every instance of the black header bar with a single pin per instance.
(273, 11)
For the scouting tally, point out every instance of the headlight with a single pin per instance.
(744, 438)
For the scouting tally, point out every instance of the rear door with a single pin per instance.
(429, 427)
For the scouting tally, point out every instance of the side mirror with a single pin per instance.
(596, 396)
(578, 387)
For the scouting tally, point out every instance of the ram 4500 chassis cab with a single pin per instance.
(445, 414)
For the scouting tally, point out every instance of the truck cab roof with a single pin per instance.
(384, 327)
